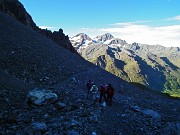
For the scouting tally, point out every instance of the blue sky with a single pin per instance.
(130, 20)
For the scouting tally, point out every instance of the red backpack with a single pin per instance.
(111, 91)
(103, 89)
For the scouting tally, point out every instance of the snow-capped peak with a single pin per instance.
(81, 41)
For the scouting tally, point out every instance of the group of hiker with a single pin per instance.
(104, 91)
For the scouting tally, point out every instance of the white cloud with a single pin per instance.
(46, 27)
(165, 35)
(129, 23)
(176, 18)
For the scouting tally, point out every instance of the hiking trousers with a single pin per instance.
(110, 99)
(88, 92)
(102, 95)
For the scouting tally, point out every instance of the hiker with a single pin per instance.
(110, 93)
(88, 86)
(95, 94)
(103, 92)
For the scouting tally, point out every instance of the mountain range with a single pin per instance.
(149, 66)
(81, 41)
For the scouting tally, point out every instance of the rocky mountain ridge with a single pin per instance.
(15, 9)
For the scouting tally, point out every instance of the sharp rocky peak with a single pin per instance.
(104, 37)
(83, 36)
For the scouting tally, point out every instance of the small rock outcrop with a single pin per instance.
(59, 38)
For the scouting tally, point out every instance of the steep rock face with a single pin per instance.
(15, 9)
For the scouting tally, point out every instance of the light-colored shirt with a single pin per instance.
(94, 89)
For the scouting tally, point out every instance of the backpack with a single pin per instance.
(111, 91)
(104, 89)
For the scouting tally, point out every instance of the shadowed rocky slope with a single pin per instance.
(29, 63)
(30, 60)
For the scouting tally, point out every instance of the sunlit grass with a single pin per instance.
(173, 93)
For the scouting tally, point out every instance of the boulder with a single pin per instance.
(136, 108)
(39, 126)
(60, 105)
(75, 123)
(94, 133)
(36, 128)
(151, 113)
(41, 97)
(72, 133)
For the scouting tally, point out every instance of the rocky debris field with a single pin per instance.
(64, 109)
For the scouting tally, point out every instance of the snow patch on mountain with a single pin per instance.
(107, 42)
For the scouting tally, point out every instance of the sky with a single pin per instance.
(143, 21)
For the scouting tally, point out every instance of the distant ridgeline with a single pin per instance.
(147, 66)
(15, 9)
